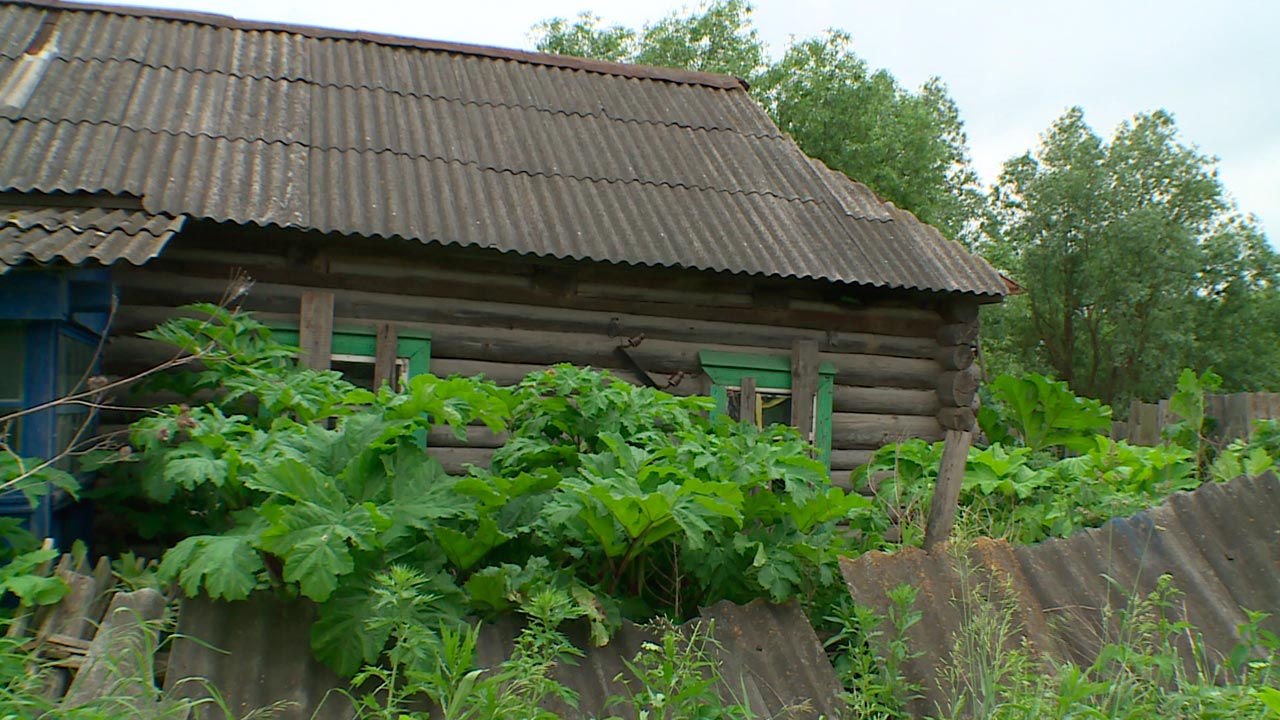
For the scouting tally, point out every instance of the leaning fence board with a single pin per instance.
(942, 510)
(121, 659)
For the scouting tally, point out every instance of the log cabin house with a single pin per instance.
(444, 208)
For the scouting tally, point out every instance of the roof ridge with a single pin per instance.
(601, 114)
(565, 62)
(462, 162)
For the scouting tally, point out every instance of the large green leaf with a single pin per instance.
(466, 549)
(315, 542)
(298, 481)
(341, 637)
(224, 566)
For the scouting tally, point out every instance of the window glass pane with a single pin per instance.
(774, 408)
(357, 371)
(733, 403)
(13, 352)
(75, 358)
(11, 431)
(65, 429)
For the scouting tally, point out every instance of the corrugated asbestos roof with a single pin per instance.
(77, 234)
(367, 135)
(256, 653)
(1220, 544)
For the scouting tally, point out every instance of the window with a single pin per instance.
(353, 353)
(77, 360)
(13, 357)
(773, 401)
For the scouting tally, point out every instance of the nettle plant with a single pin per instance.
(632, 502)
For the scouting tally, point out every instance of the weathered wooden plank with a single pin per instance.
(846, 460)
(872, 319)
(889, 401)
(121, 658)
(942, 509)
(315, 329)
(955, 357)
(956, 388)
(957, 418)
(460, 327)
(384, 359)
(749, 401)
(501, 373)
(958, 334)
(804, 385)
(853, 431)
(456, 459)
(477, 436)
(961, 309)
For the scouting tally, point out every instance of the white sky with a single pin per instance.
(1012, 66)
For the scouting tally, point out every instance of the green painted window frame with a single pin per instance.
(414, 346)
(726, 370)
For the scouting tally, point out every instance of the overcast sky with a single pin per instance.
(1012, 66)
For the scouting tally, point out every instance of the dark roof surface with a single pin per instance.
(76, 234)
(215, 118)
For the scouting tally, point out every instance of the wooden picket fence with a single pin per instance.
(98, 641)
(1235, 415)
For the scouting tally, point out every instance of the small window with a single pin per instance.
(353, 353)
(773, 392)
(13, 355)
(773, 406)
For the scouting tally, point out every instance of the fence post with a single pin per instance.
(942, 510)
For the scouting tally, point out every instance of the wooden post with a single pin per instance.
(748, 400)
(804, 385)
(384, 357)
(315, 329)
(942, 510)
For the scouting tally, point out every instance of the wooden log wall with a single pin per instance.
(904, 365)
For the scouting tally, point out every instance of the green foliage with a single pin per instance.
(35, 479)
(1048, 472)
(1134, 263)
(676, 678)
(432, 656)
(1252, 457)
(1040, 414)
(1141, 670)
(21, 576)
(869, 650)
(22, 559)
(1193, 427)
(625, 500)
(909, 146)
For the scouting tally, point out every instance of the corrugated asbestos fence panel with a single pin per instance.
(1220, 544)
(208, 118)
(256, 653)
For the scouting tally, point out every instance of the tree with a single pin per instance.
(1133, 264)
(908, 146)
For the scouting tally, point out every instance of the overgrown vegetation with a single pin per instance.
(1148, 664)
(1050, 470)
(631, 502)
(608, 501)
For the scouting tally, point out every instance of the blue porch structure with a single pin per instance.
(52, 321)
